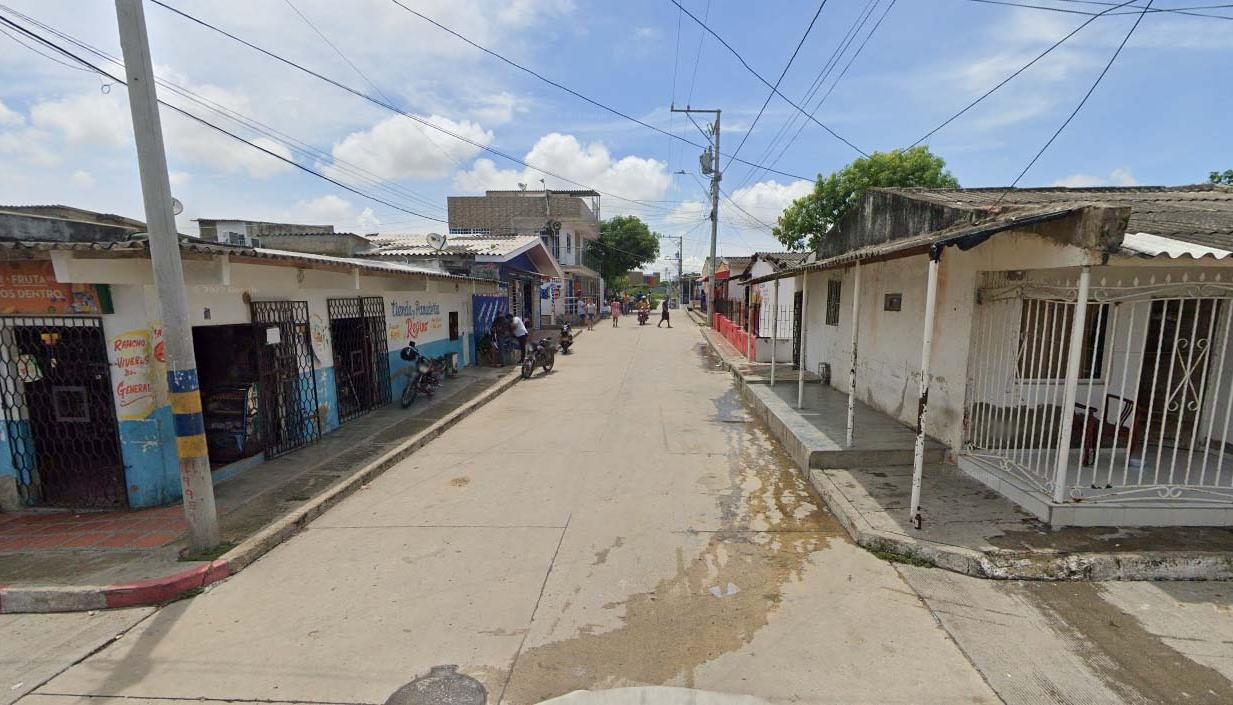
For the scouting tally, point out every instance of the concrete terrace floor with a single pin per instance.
(623, 521)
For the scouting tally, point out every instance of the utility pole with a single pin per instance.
(198, 488)
(710, 167)
(680, 252)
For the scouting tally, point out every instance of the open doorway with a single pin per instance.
(227, 373)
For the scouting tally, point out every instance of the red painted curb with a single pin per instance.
(164, 589)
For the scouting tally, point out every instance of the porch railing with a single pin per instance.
(736, 335)
(1145, 413)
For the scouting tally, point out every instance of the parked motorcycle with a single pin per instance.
(423, 379)
(643, 315)
(541, 353)
(445, 366)
(567, 338)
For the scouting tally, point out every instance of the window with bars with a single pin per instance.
(1045, 338)
(834, 289)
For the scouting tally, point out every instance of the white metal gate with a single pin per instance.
(1153, 400)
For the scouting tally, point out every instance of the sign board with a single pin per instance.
(486, 270)
(273, 335)
(30, 286)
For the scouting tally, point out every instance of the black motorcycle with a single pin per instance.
(424, 379)
(445, 366)
(567, 338)
(643, 315)
(541, 353)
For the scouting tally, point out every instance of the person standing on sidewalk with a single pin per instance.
(519, 330)
(615, 309)
(592, 312)
(663, 315)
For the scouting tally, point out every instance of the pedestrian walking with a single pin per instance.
(519, 330)
(615, 309)
(592, 312)
(663, 315)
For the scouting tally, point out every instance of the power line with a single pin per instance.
(1021, 69)
(697, 55)
(547, 80)
(768, 84)
(1083, 101)
(65, 52)
(779, 80)
(1175, 10)
(292, 143)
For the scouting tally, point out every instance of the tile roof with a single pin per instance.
(782, 260)
(1201, 214)
(417, 245)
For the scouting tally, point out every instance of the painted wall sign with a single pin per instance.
(419, 321)
(31, 287)
(486, 270)
(136, 352)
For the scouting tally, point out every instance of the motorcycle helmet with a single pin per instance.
(409, 353)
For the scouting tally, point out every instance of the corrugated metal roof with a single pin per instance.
(194, 245)
(417, 245)
(1146, 244)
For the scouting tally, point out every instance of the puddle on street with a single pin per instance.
(718, 597)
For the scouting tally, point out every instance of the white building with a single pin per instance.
(1074, 344)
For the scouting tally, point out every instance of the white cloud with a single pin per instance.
(82, 179)
(498, 109)
(631, 177)
(1117, 177)
(28, 147)
(646, 34)
(180, 178)
(400, 148)
(339, 212)
(10, 117)
(767, 199)
(87, 118)
(520, 13)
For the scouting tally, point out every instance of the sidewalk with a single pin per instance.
(968, 528)
(60, 560)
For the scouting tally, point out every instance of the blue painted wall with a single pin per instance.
(437, 347)
(151, 468)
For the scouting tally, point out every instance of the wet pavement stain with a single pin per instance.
(1130, 660)
(461, 481)
(717, 599)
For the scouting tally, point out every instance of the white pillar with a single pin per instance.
(800, 377)
(1073, 363)
(774, 332)
(748, 324)
(926, 353)
(856, 317)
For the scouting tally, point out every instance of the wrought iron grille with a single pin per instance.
(59, 415)
(361, 360)
(798, 301)
(289, 408)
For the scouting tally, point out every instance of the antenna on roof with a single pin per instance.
(436, 241)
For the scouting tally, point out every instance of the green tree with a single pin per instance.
(1221, 177)
(625, 243)
(803, 224)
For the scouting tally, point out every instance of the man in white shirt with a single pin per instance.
(520, 334)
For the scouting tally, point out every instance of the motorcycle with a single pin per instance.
(540, 353)
(567, 338)
(424, 380)
(643, 315)
(445, 366)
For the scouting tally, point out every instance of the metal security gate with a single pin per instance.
(59, 415)
(361, 360)
(286, 382)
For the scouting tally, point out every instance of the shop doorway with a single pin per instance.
(59, 412)
(227, 370)
(361, 360)
(286, 383)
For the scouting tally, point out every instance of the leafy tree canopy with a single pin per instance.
(625, 244)
(803, 224)
(1221, 177)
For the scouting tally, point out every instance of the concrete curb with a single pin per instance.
(36, 599)
(997, 565)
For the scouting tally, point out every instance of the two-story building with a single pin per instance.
(566, 221)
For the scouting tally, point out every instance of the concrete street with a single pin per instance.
(622, 522)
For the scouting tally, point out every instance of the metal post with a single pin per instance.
(748, 324)
(926, 354)
(195, 481)
(856, 318)
(800, 377)
(774, 333)
(1073, 361)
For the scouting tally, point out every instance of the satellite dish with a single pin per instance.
(176, 207)
(436, 241)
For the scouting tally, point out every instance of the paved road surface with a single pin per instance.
(622, 522)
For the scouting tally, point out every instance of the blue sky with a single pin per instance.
(1159, 117)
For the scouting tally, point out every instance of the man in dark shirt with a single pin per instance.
(663, 315)
(501, 336)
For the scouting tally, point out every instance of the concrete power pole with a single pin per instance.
(169, 279)
(680, 273)
(710, 167)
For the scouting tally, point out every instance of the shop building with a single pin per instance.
(289, 347)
